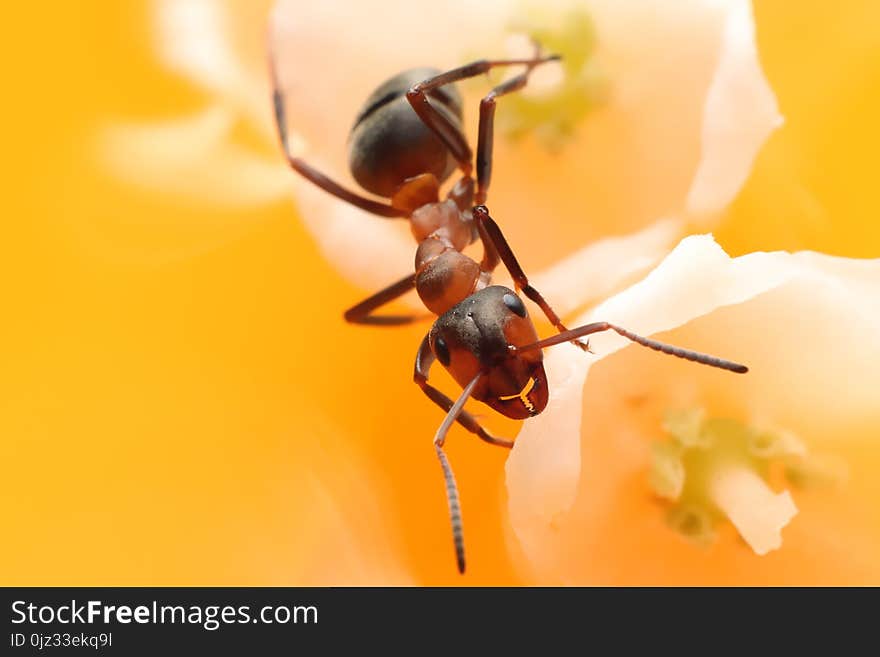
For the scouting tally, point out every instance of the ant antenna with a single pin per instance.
(597, 327)
(448, 476)
(454, 508)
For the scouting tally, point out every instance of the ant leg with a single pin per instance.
(597, 327)
(491, 257)
(308, 171)
(362, 312)
(424, 359)
(485, 141)
(493, 233)
(485, 136)
(463, 196)
(449, 134)
(462, 193)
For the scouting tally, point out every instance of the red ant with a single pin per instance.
(406, 141)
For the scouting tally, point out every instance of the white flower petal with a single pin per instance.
(358, 52)
(331, 55)
(739, 492)
(201, 39)
(194, 39)
(370, 251)
(661, 61)
(552, 452)
(798, 320)
(739, 115)
(170, 157)
(635, 158)
(672, 69)
(605, 266)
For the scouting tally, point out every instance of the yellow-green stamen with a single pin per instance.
(552, 116)
(712, 469)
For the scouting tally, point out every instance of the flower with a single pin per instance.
(812, 186)
(184, 404)
(680, 114)
(670, 101)
(585, 478)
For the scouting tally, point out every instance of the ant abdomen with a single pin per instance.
(390, 143)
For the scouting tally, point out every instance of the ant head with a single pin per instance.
(475, 336)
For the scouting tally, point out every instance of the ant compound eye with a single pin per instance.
(515, 304)
(441, 351)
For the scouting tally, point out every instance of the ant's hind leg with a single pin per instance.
(362, 312)
(492, 232)
(424, 360)
(311, 174)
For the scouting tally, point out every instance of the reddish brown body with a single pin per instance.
(475, 336)
(478, 324)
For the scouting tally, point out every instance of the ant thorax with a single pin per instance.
(444, 275)
(442, 220)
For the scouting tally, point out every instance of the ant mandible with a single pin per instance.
(406, 141)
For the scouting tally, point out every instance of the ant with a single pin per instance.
(406, 141)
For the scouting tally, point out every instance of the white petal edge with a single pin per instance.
(543, 470)
(605, 266)
(740, 114)
(369, 251)
(755, 510)
(296, 30)
(192, 158)
(194, 38)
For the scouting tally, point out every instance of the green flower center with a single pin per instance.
(716, 469)
(552, 116)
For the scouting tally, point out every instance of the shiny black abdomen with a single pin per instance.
(389, 142)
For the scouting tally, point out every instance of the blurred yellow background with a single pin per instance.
(209, 418)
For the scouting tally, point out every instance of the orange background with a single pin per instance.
(184, 420)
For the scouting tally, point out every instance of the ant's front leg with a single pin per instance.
(454, 413)
(486, 134)
(449, 134)
(491, 232)
(424, 359)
